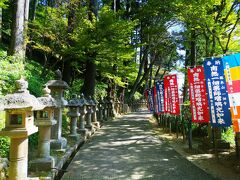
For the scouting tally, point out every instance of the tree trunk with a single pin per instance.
(90, 75)
(33, 8)
(17, 33)
(89, 81)
(19, 27)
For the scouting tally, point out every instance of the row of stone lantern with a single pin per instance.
(21, 122)
(137, 105)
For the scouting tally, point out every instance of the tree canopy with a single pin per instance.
(104, 46)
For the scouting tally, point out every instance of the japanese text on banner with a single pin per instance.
(198, 97)
(160, 96)
(172, 94)
(217, 93)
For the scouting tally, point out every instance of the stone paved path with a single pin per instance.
(127, 149)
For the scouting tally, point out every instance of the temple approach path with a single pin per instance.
(126, 148)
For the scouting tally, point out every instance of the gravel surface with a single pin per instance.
(126, 148)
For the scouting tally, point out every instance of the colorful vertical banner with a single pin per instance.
(160, 96)
(150, 99)
(232, 73)
(198, 95)
(171, 95)
(167, 96)
(155, 102)
(217, 93)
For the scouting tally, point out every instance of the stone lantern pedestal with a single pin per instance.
(57, 88)
(94, 114)
(45, 120)
(117, 107)
(101, 110)
(89, 115)
(74, 114)
(82, 118)
(19, 125)
(106, 109)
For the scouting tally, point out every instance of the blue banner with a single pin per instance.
(217, 93)
(150, 99)
(160, 96)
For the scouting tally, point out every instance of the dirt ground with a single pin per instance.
(223, 165)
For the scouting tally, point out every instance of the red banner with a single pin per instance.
(171, 95)
(167, 96)
(198, 95)
(155, 102)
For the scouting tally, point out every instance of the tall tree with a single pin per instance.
(19, 26)
(90, 74)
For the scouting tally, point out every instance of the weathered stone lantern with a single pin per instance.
(101, 109)
(57, 88)
(19, 125)
(83, 111)
(106, 108)
(45, 120)
(110, 107)
(117, 106)
(89, 114)
(73, 113)
(94, 115)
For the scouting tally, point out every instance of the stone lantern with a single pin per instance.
(94, 115)
(106, 108)
(111, 107)
(101, 109)
(89, 114)
(83, 111)
(19, 125)
(45, 120)
(117, 106)
(57, 88)
(73, 113)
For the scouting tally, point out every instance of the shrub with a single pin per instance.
(5, 145)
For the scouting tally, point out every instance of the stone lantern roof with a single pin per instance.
(91, 101)
(21, 99)
(74, 102)
(59, 83)
(95, 101)
(47, 99)
(83, 101)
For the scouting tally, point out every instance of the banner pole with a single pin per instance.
(176, 119)
(190, 134)
(237, 144)
(170, 125)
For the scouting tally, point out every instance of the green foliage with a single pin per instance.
(228, 135)
(5, 145)
(100, 90)
(49, 30)
(3, 3)
(11, 69)
(106, 42)
(33, 140)
(137, 96)
(36, 80)
(65, 123)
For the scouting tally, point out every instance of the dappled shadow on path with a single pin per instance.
(127, 149)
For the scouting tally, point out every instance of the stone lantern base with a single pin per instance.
(75, 137)
(85, 133)
(96, 124)
(58, 143)
(42, 164)
(125, 108)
